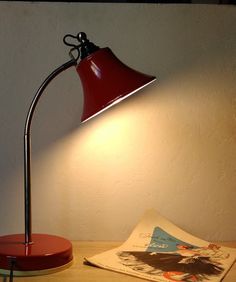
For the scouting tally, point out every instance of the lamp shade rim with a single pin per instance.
(116, 101)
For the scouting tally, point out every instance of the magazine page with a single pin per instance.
(157, 250)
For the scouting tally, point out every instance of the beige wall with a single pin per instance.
(172, 148)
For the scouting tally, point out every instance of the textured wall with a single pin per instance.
(172, 148)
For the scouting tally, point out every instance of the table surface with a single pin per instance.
(82, 273)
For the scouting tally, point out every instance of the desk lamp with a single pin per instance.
(106, 81)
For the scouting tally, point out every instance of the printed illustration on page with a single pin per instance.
(157, 250)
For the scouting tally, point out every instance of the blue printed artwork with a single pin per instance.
(161, 241)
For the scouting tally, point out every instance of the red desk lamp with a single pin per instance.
(106, 81)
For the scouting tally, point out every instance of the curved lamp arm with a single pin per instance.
(83, 47)
(27, 147)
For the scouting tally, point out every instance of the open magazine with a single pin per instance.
(157, 250)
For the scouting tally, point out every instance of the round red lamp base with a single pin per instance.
(45, 255)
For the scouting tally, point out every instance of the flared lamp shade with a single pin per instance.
(106, 81)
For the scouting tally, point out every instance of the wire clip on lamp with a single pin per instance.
(106, 81)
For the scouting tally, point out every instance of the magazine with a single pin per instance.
(157, 250)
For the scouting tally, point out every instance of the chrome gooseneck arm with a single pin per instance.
(84, 48)
(27, 148)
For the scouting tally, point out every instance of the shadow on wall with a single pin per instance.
(195, 40)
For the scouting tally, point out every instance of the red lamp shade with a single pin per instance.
(106, 81)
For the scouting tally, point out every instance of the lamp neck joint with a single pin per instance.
(83, 49)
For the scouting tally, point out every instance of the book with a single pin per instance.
(158, 250)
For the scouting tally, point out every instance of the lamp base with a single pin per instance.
(46, 254)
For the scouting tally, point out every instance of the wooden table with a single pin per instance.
(82, 273)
